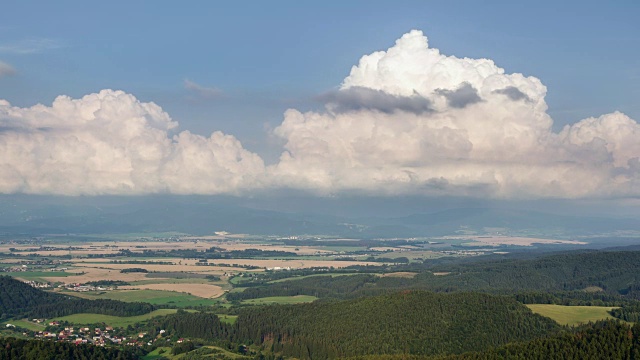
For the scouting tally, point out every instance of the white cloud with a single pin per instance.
(408, 120)
(488, 134)
(6, 69)
(202, 91)
(111, 143)
(31, 46)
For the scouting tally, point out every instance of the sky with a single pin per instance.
(495, 100)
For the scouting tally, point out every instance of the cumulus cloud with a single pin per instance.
(487, 133)
(111, 143)
(408, 120)
(6, 69)
(202, 91)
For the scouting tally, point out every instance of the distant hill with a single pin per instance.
(603, 340)
(205, 215)
(615, 275)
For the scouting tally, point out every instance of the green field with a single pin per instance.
(229, 319)
(173, 281)
(280, 300)
(24, 323)
(308, 276)
(572, 315)
(39, 275)
(156, 297)
(115, 321)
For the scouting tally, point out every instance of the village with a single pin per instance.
(100, 336)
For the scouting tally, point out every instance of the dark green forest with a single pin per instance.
(17, 349)
(408, 322)
(604, 340)
(18, 299)
(616, 273)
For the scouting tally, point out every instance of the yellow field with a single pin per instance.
(200, 290)
(95, 274)
(521, 241)
(400, 274)
(112, 247)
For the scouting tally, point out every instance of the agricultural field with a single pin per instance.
(200, 290)
(298, 299)
(183, 270)
(115, 321)
(572, 315)
(155, 297)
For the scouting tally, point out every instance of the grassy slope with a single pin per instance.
(309, 276)
(155, 297)
(572, 315)
(115, 321)
(281, 300)
(24, 323)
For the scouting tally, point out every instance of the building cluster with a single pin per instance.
(38, 285)
(80, 287)
(82, 335)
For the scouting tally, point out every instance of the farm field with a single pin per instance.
(200, 290)
(115, 321)
(309, 276)
(155, 297)
(572, 315)
(281, 300)
(41, 275)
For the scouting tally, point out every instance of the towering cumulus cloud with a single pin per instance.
(408, 120)
(411, 120)
(110, 143)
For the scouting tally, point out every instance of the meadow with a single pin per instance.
(572, 315)
(298, 299)
(155, 297)
(115, 321)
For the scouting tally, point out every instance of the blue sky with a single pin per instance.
(237, 66)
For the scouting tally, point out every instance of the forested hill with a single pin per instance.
(18, 299)
(411, 322)
(613, 271)
(17, 349)
(605, 340)
(615, 274)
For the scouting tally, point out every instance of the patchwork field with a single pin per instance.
(521, 241)
(572, 315)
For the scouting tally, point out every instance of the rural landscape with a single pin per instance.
(305, 180)
(186, 296)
